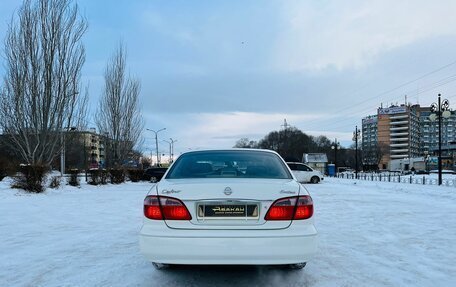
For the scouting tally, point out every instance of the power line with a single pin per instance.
(367, 110)
(393, 89)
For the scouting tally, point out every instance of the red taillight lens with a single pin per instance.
(167, 208)
(152, 208)
(174, 209)
(304, 208)
(282, 209)
(291, 208)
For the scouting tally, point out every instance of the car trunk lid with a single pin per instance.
(228, 203)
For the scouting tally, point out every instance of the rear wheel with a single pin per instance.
(314, 179)
(160, 266)
(297, 266)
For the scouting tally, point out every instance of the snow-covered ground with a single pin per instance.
(370, 234)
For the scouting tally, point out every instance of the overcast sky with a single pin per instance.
(215, 71)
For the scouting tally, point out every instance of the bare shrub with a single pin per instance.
(31, 178)
(74, 179)
(104, 175)
(55, 182)
(94, 177)
(117, 176)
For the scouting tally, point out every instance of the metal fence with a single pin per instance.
(410, 179)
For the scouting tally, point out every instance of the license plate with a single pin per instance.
(231, 210)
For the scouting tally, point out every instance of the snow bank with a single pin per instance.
(370, 234)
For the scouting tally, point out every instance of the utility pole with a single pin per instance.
(156, 142)
(62, 154)
(355, 138)
(172, 148)
(285, 128)
(335, 147)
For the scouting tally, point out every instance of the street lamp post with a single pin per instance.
(172, 148)
(356, 136)
(156, 142)
(439, 110)
(335, 147)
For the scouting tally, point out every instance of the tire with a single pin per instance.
(297, 266)
(314, 179)
(160, 266)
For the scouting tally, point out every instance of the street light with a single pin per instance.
(335, 147)
(156, 142)
(356, 137)
(439, 110)
(169, 143)
(172, 148)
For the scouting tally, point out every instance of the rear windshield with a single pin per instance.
(229, 164)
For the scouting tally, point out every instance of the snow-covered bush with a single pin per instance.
(31, 178)
(117, 176)
(74, 179)
(94, 177)
(104, 176)
(55, 182)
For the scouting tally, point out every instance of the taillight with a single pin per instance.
(291, 208)
(167, 208)
(304, 208)
(152, 208)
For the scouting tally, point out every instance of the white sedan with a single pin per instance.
(233, 207)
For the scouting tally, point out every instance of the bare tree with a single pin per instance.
(41, 95)
(245, 143)
(118, 115)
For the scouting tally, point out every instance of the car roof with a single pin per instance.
(231, 149)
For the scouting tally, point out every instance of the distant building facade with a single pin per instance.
(399, 129)
(85, 149)
(429, 129)
(369, 142)
(96, 146)
(402, 132)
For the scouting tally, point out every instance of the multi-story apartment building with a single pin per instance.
(398, 135)
(429, 131)
(398, 129)
(406, 133)
(95, 143)
(85, 149)
(369, 141)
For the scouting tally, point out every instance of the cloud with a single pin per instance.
(222, 130)
(352, 34)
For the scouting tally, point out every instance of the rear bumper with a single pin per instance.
(229, 247)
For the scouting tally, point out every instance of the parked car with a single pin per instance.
(228, 207)
(304, 173)
(154, 173)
